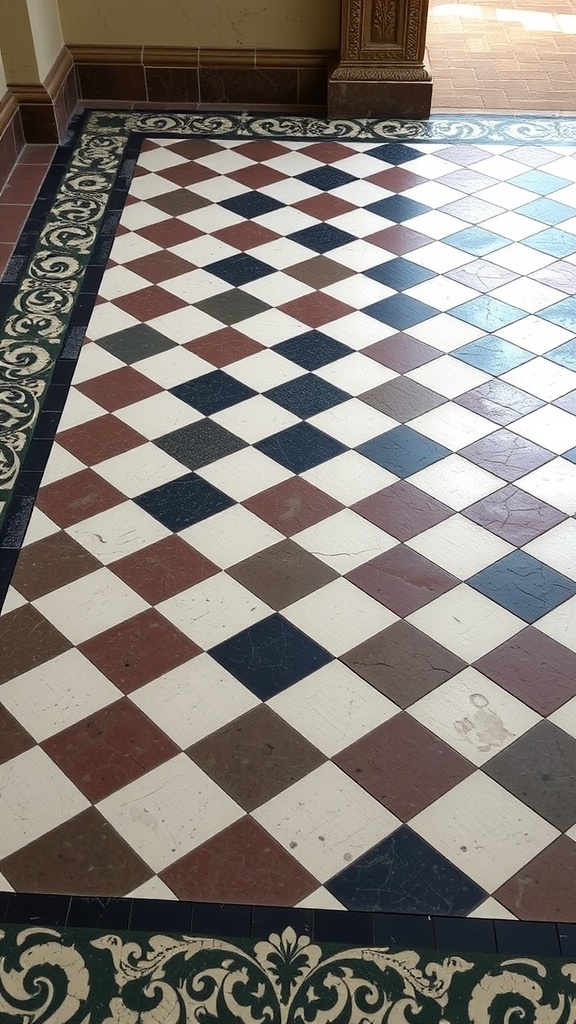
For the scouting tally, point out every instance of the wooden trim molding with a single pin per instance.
(191, 57)
(8, 107)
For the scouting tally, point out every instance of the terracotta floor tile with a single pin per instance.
(535, 668)
(49, 564)
(19, 654)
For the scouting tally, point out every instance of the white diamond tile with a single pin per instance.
(140, 469)
(557, 548)
(244, 473)
(446, 333)
(441, 292)
(90, 605)
(60, 465)
(535, 335)
(448, 376)
(176, 366)
(543, 378)
(356, 373)
(527, 294)
(339, 616)
(560, 624)
(348, 478)
(158, 415)
(456, 482)
(453, 426)
(550, 427)
(466, 622)
(231, 536)
(255, 419)
(264, 370)
(214, 610)
(357, 331)
(439, 257)
(353, 422)
(344, 540)
(460, 546)
(117, 532)
(554, 483)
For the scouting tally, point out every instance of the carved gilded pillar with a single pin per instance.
(382, 69)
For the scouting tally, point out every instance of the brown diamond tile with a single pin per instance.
(246, 235)
(119, 388)
(83, 857)
(256, 176)
(188, 174)
(396, 179)
(403, 510)
(561, 275)
(292, 505)
(402, 399)
(282, 574)
(514, 515)
(401, 352)
(533, 667)
(402, 580)
(316, 309)
(260, 150)
(28, 640)
(14, 739)
(404, 766)
(506, 454)
(319, 272)
(403, 663)
(324, 206)
(567, 402)
(223, 347)
(242, 864)
(539, 768)
(544, 889)
(170, 232)
(139, 650)
(328, 152)
(147, 303)
(482, 275)
(256, 757)
(398, 239)
(163, 569)
(77, 497)
(100, 439)
(51, 563)
(499, 402)
(158, 266)
(178, 202)
(109, 749)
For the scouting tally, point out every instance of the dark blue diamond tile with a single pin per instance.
(325, 178)
(547, 211)
(251, 204)
(539, 181)
(212, 392)
(321, 237)
(312, 350)
(306, 396)
(270, 656)
(404, 874)
(183, 502)
(553, 242)
(523, 585)
(400, 311)
(571, 455)
(562, 313)
(493, 355)
(399, 274)
(397, 208)
(240, 269)
(394, 153)
(476, 241)
(403, 451)
(488, 313)
(300, 447)
(565, 355)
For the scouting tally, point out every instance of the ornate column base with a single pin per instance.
(388, 90)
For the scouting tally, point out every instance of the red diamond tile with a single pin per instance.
(159, 266)
(328, 152)
(404, 766)
(324, 206)
(316, 309)
(77, 497)
(246, 235)
(119, 388)
(169, 232)
(261, 150)
(14, 739)
(242, 864)
(499, 401)
(535, 668)
(109, 749)
(402, 510)
(139, 650)
(396, 179)
(398, 239)
(149, 302)
(188, 174)
(506, 454)
(223, 347)
(256, 176)
(514, 515)
(292, 505)
(544, 889)
(161, 570)
(99, 439)
(402, 580)
(51, 563)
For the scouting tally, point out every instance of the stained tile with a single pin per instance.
(542, 890)
(211, 871)
(109, 749)
(403, 663)
(399, 239)
(404, 874)
(19, 654)
(255, 757)
(533, 667)
(506, 454)
(138, 649)
(531, 767)
(319, 272)
(293, 505)
(402, 510)
(49, 564)
(160, 570)
(83, 856)
(282, 574)
(402, 580)
(77, 497)
(514, 515)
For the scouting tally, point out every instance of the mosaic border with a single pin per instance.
(60, 976)
(49, 291)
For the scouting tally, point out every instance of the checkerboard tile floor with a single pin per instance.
(295, 617)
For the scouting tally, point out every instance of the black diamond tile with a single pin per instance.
(199, 444)
(321, 237)
(232, 306)
(397, 208)
(135, 343)
(306, 396)
(399, 274)
(212, 392)
(240, 269)
(251, 204)
(326, 178)
(312, 350)
(300, 447)
(183, 502)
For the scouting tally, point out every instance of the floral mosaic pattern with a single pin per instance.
(56, 977)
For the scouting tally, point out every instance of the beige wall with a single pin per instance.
(276, 24)
(2, 79)
(45, 25)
